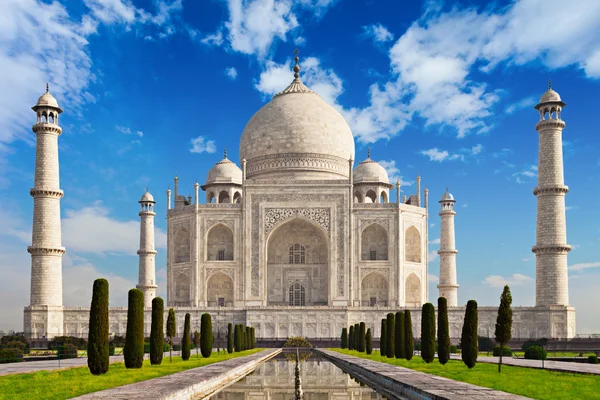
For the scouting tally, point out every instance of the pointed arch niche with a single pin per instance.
(219, 290)
(182, 245)
(374, 243)
(297, 253)
(413, 291)
(219, 243)
(182, 290)
(374, 290)
(412, 245)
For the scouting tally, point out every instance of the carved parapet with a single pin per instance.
(45, 251)
(375, 205)
(551, 249)
(147, 213)
(42, 192)
(554, 189)
(550, 123)
(297, 161)
(47, 128)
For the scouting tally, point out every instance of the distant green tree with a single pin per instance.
(443, 331)
(237, 343)
(351, 338)
(389, 336)
(468, 339)
(185, 341)
(230, 338)
(248, 338)
(382, 338)
(344, 338)
(428, 332)
(356, 336)
(133, 352)
(206, 335)
(399, 335)
(362, 337)
(171, 331)
(98, 341)
(157, 337)
(369, 342)
(409, 340)
(504, 322)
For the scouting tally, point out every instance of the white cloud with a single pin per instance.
(514, 280)
(435, 154)
(529, 172)
(231, 72)
(465, 205)
(523, 103)
(299, 41)
(214, 39)
(583, 266)
(201, 145)
(378, 33)
(393, 172)
(433, 278)
(433, 256)
(128, 131)
(93, 230)
(435, 241)
(462, 154)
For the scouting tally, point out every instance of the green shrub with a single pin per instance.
(344, 338)
(485, 344)
(206, 335)
(409, 340)
(97, 348)
(58, 341)
(157, 337)
(10, 339)
(390, 335)
(593, 359)
(230, 338)
(111, 349)
(399, 335)
(118, 341)
(453, 349)
(443, 336)
(67, 351)
(362, 337)
(297, 342)
(369, 342)
(237, 343)
(351, 338)
(535, 353)
(171, 331)
(185, 341)
(8, 355)
(469, 339)
(382, 338)
(15, 345)
(506, 351)
(428, 332)
(134, 337)
(534, 342)
(248, 338)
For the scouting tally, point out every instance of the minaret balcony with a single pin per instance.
(551, 190)
(43, 192)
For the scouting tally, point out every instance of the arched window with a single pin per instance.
(224, 197)
(383, 198)
(219, 243)
(297, 254)
(237, 197)
(412, 244)
(372, 196)
(374, 243)
(182, 290)
(413, 290)
(210, 198)
(297, 295)
(358, 197)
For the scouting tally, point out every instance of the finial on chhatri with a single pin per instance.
(47, 88)
(368, 152)
(146, 189)
(296, 67)
(224, 152)
(549, 84)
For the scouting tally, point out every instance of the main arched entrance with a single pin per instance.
(297, 264)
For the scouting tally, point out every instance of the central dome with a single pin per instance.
(297, 135)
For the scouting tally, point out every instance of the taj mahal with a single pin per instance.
(298, 240)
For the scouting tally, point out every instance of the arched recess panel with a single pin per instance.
(219, 243)
(412, 245)
(182, 245)
(413, 291)
(374, 290)
(219, 290)
(182, 290)
(374, 243)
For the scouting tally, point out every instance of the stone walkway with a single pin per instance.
(196, 383)
(34, 366)
(413, 384)
(558, 366)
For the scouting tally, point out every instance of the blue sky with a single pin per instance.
(444, 90)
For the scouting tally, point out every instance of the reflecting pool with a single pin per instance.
(320, 379)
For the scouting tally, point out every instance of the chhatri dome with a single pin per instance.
(147, 197)
(225, 172)
(297, 134)
(370, 171)
(47, 100)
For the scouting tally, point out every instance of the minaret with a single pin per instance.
(46, 249)
(147, 252)
(551, 248)
(448, 286)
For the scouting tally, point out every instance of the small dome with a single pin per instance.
(550, 95)
(147, 198)
(447, 196)
(225, 172)
(47, 100)
(370, 171)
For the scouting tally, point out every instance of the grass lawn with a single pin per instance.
(67, 383)
(529, 382)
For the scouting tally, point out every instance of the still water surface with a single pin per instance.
(274, 380)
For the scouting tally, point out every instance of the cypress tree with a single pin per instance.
(344, 338)
(157, 338)
(399, 335)
(171, 331)
(351, 338)
(504, 322)
(230, 338)
(468, 338)
(98, 342)
(236, 338)
(253, 338)
(185, 342)
(248, 338)
(382, 338)
(409, 340)
(389, 336)
(362, 337)
(134, 338)
(206, 335)
(428, 332)
(243, 330)
(369, 342)
(356, 336)
(197, 342)
(443, 331)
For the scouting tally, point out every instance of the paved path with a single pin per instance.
(398, 381)
(196, 383)
(558, 366)
(34, 366)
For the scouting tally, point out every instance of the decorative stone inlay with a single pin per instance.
(273, 216)
(230, 272)
(363, 223)
(551, 249)
(257, 199)
(56, 193)
(212, 222)
(375, 205)
(385, 271)
(297, 161)
(43, 251)
(559, 189)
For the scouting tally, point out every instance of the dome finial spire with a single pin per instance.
(47, 88)
(549, 83)
(368, 152)
(296, 67)
(224, 153)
